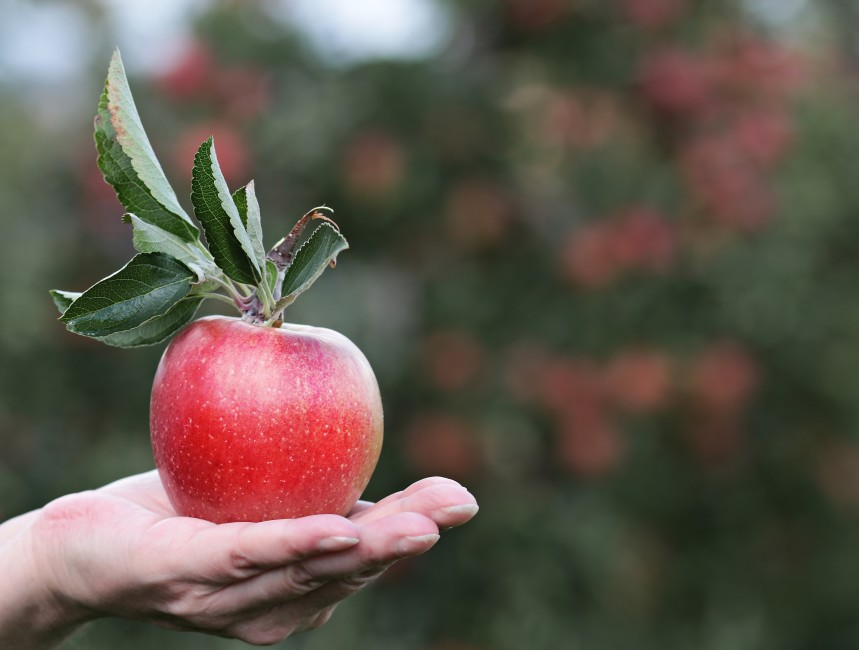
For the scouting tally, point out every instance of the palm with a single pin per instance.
(127, 552)
(145, 491)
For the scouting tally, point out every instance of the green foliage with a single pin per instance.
(245, 200)
(148, 238)
(63, 299)
(145, 288)
(128, 162)
(158, 328)
(226, 233)
(315, 255)
(142, 304)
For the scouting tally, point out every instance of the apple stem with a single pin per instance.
(251, 308)
(265, 293)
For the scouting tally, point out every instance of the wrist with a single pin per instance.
(35, 613)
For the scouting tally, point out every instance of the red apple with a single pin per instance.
(251, 423)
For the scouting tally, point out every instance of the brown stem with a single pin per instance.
(283, 251)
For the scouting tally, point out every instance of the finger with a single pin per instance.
(361, 506)
(317, 619)
(366, 509)
(317, 607)
(429, 481)
(382, 542)
(229, 552)
(447, 503)
(278, 623)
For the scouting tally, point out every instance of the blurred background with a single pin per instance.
(605, 262)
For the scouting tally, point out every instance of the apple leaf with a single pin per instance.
(226, 234)
(153, 331)
(64, 299)
(160, 289)
(245, 199)
(271, 276)
(148, 286)
(319, 251)
(128, 162)
(282, 253)
(147, 238)
(157, 328)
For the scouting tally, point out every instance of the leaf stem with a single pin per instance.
(279, 307)
(217, 296)
(230, 288)
(268, 300)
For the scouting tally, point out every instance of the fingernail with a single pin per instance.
(336, 543)
(415, 544)
(469, 509)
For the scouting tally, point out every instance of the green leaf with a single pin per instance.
(147, 238)
(128, 162)
(148, 286)
(158, 328)
(153, 331)
(245, 199)
(271, 276)
(226, 235)
(63, 299)
(320, 250)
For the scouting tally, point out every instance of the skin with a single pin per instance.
(123, 551)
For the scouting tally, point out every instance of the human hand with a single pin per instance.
(122, 551)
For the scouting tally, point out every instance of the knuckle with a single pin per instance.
(178, 607)
(265, 635)
(266, 638)
(239, 559)
(319, 620)
(360, 580)
(191, 605)
(300, 579)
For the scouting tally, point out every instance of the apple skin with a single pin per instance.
(251, 423)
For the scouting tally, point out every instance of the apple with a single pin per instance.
(251, 423)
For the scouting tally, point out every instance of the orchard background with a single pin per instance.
(605, 262)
